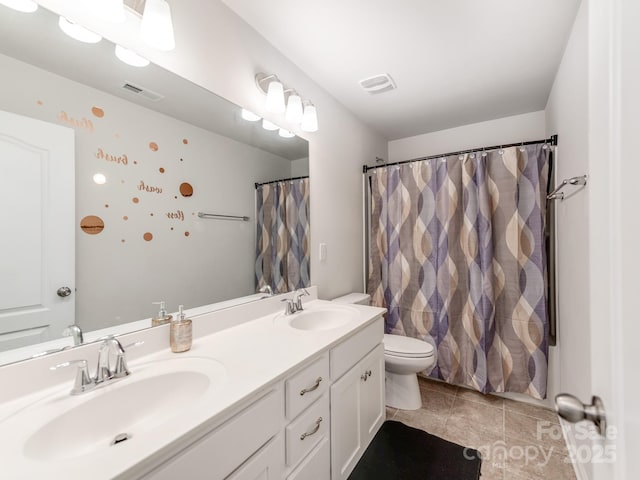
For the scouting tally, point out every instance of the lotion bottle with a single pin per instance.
(181, 332)
(162, 317)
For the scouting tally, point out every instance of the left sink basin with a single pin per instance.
(65, 427)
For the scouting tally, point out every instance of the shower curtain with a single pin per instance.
(282, 237)
(457, 253)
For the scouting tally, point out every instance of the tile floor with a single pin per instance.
(518, 441)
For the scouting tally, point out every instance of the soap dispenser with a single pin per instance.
(181, 333)
(162, 317)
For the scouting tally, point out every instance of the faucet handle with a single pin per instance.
(290, 306)
(83, 381)
(301, 292)
(121, 370)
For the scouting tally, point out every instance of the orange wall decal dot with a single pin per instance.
(148, 236)
(186, 234)
(135, 200)
(98, 112)
(161, 170)
(186, 190)
(39, 102)
(185, 141)
(153, 146)
(92, 224)
(125, 218)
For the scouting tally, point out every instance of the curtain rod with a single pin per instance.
(553, 140)
(281, 180)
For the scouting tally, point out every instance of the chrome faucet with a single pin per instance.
(84, 382)
(266, 289)
(294, 304)
(74, 331)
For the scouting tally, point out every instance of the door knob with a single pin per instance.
(573, 410)
(64, 292)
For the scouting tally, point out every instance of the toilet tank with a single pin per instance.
(354, 298)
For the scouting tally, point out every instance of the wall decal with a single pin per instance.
(135, 200)
(153, 146)
(39, 102)
(186, 190)
(92, 224)
(125, 218)
(106, 205)
(98, 112)
(143, 187)
(185, 141)
(148, 236)
(161, 170)
(186, 234)
(177, 215)
(109, 157)
(83, 124)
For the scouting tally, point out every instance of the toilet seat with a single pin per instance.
(406, 347)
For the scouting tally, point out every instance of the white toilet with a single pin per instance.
(404, 357)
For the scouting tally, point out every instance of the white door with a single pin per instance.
(37, 257)
(614, 233)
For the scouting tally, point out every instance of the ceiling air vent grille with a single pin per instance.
(142, 92)
(378, 83)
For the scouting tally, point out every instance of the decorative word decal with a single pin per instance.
(177, 215)
(119, 159)
(148, 188)
(83, 124)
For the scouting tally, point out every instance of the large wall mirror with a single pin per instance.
(149, 152)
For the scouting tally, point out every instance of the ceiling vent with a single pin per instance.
(378, 83)
(142, 92)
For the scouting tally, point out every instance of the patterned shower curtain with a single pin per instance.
(282, 237)
(457, 253)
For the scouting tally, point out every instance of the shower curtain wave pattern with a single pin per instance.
(457, 253)
(282, 237)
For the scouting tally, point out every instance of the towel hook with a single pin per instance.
(580, 181)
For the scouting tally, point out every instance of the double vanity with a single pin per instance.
(261, 395)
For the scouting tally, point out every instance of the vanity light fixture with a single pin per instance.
(25, 6)
(297, 110)
(250, 116)
(309, 118)
(78, 32)
(286, 133)
(267, 125)
(156, 28)
(130, 57)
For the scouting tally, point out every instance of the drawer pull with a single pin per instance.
(311, 389)
(315, 429)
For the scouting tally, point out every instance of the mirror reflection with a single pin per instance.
(128, 185)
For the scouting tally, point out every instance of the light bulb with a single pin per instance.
(267, 125)
(250, 116)
(156, 28)
(100, 179)
(286, 133)
(111, 11)
(294, 109)
(130, 57)
(78, 32)
(309, 119)
(275, 97)
(25, 6)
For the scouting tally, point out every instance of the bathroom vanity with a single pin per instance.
(261, 395)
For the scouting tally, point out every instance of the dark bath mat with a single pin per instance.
(399, 452)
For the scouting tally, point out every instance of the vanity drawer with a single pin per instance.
(351, 351)
(307, 430)
(317, 464)
(306, 386)
(238, 439)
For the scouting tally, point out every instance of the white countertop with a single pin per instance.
(255, 354)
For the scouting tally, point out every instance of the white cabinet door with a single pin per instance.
(37, 228)
(372, 409)
(266, 464)
(357, 412)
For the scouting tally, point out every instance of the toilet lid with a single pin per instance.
(401, 346)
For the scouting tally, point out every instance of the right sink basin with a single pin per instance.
(325, 317)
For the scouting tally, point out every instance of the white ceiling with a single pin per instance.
(455, 62)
